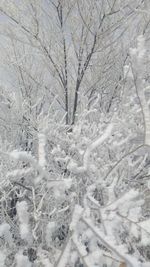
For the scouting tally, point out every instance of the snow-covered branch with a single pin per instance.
(42, 154)
(28, 158)
(72, 166)
(118, 250)
(22, 211)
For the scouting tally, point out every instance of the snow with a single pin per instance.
(22, 261)
(145, 225)
(62, 262)
(19, 172)
(147, 264)
(93, 206)
(118, 250)
(141, 46)
(41, 152)
(50, 228)
(78, 210)
(145, 238)
(27, 157)
(124, 202)
(59, 186)
(5, 227)
(79, 245)
(135, 213)
(22, 211)
(2, 258)
(46, 263)
(135, 231)
(25, 231)
(5, 231)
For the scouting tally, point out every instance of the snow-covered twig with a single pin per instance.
(63, 259)
(27, 157)
(86, 158)
(118, 250)
(80, 253)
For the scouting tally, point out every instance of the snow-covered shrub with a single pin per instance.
(76, 195)
(71, 215)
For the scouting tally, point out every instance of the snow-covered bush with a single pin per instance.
(73, 203)
(74, 181)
